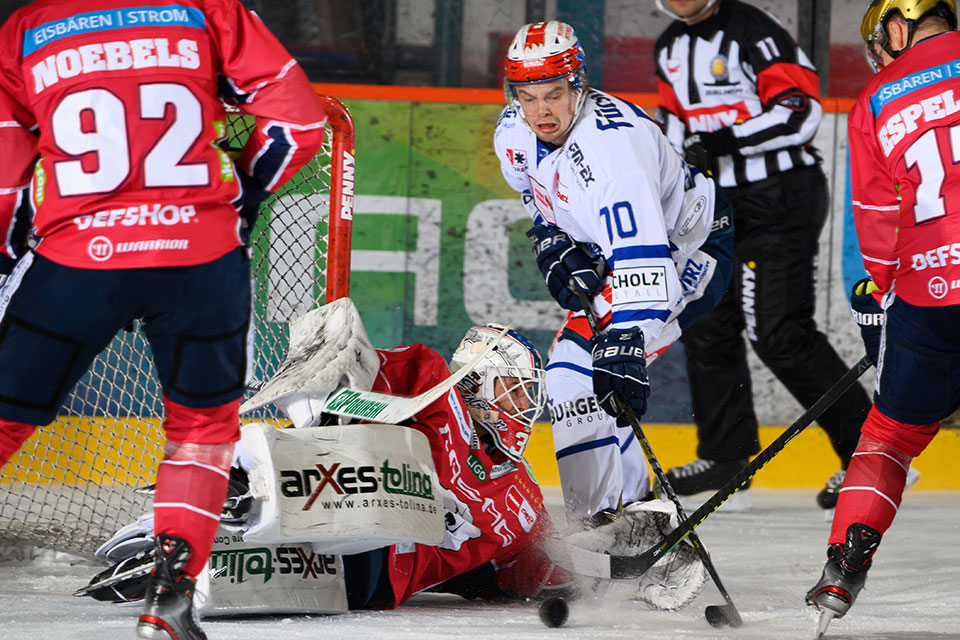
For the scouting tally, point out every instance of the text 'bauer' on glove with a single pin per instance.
(561, 259)
(868, 315)
(620, 367)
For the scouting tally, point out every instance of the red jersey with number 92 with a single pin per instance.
(905, 173)
(110, 110)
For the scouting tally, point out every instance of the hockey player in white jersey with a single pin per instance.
(615, 209)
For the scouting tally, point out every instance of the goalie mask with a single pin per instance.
(504, 393)
(544, 52)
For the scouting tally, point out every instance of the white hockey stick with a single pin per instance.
(388, 409)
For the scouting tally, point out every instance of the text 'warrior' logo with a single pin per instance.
(344, 480)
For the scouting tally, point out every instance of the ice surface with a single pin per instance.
(767, 557)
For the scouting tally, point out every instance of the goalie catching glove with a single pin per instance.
(561, 260)
(620, 368)
(868, 315)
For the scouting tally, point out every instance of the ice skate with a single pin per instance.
(844, 575)
(701, 476)
(168, 612)
(827, 498)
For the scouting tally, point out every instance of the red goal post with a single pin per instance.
(72, 485)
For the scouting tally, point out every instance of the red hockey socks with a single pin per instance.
(12, 436)
(191, 487)
(873, 487)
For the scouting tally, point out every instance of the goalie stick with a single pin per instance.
(601, 565)
(716, 615)
(389, 409)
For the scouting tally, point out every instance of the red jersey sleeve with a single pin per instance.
(260, 77)
(670, 115)
(876, 204)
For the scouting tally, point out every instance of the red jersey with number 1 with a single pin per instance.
(110, 110)
(905, 172)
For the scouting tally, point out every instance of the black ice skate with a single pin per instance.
(168, 612)
(843, 575)
(827, 498)
(706, 475)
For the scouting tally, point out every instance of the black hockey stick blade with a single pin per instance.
(635, 566)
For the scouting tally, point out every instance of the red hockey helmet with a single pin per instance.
(543, 51)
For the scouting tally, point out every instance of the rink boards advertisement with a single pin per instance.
(439, 240)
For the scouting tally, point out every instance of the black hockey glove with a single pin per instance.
(620, 367)
(868, 315)
(253, 197)
(716, 143)
(561, 259)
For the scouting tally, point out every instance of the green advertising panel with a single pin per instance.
(439, 240)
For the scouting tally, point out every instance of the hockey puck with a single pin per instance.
(715, 616)
(554, 612)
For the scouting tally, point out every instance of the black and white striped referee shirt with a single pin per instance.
(740, 68)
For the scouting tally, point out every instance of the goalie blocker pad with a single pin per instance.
(344, 489)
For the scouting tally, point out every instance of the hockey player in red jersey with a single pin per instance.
(905, 179)
(111, 112)
(733, 82)
(495, 517)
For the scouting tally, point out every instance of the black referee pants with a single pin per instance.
(777, 224)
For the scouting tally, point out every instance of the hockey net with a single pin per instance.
(73, 483)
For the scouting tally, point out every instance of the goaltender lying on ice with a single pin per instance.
(435, 494)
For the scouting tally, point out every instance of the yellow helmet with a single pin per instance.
(872, 28)
(878, 11)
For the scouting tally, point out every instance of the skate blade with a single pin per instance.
(826, 617)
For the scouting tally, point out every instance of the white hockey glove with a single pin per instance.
(458, 521)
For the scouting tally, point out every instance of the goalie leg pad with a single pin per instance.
(677, 579)
(347, 489)
(669, 585)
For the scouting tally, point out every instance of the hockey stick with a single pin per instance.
(601, 565)
(386, 408)
(716, 615)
